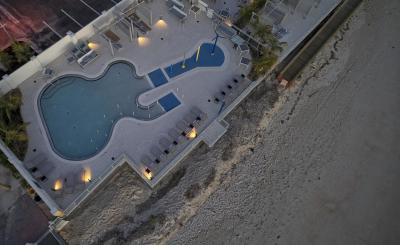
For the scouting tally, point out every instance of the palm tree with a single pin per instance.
(13, 134)
(22, 52)
(10, 103)
(262, 64)
(6, 59)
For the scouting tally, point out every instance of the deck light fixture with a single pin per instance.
(57, 185)
(192, 133)
(148, 174)
(161, 23)
(143, 41)
(92, 45)
(87, 175)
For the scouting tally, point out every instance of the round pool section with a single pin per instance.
(79, 113)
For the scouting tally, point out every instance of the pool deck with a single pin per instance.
(132, 139)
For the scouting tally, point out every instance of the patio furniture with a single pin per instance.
(71, 59)
(190, 118)
(199, 113)
(110, 35)
(225, 30)
(238, 79)
(178, 13)
(237, 40)
(183, 127)
(244, 49)
(32, 164)
(224, 14)
(43, 170)
(195, 10)
(175, 3)
(157, 154)
(77, 53)
(177, 137)
(146, 160)
(48, 72)
(165, 143)
(218, 98)
(280, 32)
(244, 62)
(87, 58)
(83, 46)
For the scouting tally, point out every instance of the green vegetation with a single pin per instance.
(7, 60)
(18, 54)
(22, 52)
(12, 127)
(262, 63)
(247, 11)
(13, 131)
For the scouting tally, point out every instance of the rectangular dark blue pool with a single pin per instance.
(157, 78)
(169, 102)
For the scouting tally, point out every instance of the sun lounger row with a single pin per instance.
(229, 89)
(167, 146)
(39, 167)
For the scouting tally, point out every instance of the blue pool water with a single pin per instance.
(79, 113)
(157, 78)
(206, 59)
(169, 102)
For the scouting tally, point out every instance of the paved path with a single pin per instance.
(327, 169)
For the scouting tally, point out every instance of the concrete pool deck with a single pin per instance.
(131, 138)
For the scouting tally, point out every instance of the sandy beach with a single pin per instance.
(327, 168)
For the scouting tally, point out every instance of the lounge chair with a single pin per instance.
(146, 160)
(243, 49)
(190, 118)
(175, 3)
(165, 143)
(178, 12)
(31, 165)
(218, 98)
(157, 154)
(183, 127)
(245, 62)
(199, 114)
(177, 137)
(43, 169)
(83, 46)
(71, 59)
(48, 72)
